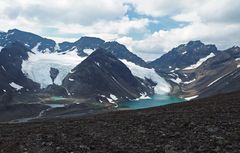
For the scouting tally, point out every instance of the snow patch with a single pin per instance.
(113, 97)
(194, 66)
(185, 52)
(215, 81)
(1, 48)
(88, 51)
(38, 65)
(162, 86)
(177, 80)
(16, 86)
(188, 82)
(3, 68)
(70, 79)
(190, 98)
(144, 96)
(35, 49)
(56, 47)
(98, 64)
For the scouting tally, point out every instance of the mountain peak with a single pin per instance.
(87, 40)
(195, 43)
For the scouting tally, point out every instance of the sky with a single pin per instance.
(149, 28)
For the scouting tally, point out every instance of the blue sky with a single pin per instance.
(148, 28)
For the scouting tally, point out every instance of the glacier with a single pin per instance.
(38, 65)
(162, 86)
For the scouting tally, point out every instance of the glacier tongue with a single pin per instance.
(162, 86)
(38, 65)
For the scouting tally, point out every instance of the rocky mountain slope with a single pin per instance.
(199, 70)
(12, 78)
(200, 126)
(104, 77)
(183, 56)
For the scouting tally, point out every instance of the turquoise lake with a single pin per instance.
(156, 100)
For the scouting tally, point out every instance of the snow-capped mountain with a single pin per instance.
(41, 54)
(186, 56)
(191, 70)
(84, 46)
(12, 79)
(105, 78)
(30, 40)
(197, 70)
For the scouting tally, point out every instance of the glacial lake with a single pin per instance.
(154, 101)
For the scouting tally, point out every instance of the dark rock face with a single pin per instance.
(81, 44)
(30, 40)
(53, 73)
(56, 90)
(183, 56)
(101, 75)
(120, 51)
(11, 58)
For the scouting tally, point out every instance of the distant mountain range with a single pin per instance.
(109, 72)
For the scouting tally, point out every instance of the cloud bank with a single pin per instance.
(136, 23)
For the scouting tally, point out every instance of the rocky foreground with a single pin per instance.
(202, 126)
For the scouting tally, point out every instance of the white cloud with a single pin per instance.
(211, 21)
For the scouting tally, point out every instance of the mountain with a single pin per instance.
(30, 40)
(197, 70)
(103, 77)
(122, 52)
(183, 56)
(219, 74)
(11, 75)
(84, 46)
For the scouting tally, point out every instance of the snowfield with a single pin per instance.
(38, 65)
(162, 86)
(16, 86)
(194, 66)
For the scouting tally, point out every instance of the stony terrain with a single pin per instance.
(202, 126)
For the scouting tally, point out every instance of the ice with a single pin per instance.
(1, 48)
(113, 97)
(38, 65)
(190, 98)
(194, 66)
(16, 86)
(35, 49)
(88, 51)
(162, 86)
(57, 47)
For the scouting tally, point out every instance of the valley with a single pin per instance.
(92, 76)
